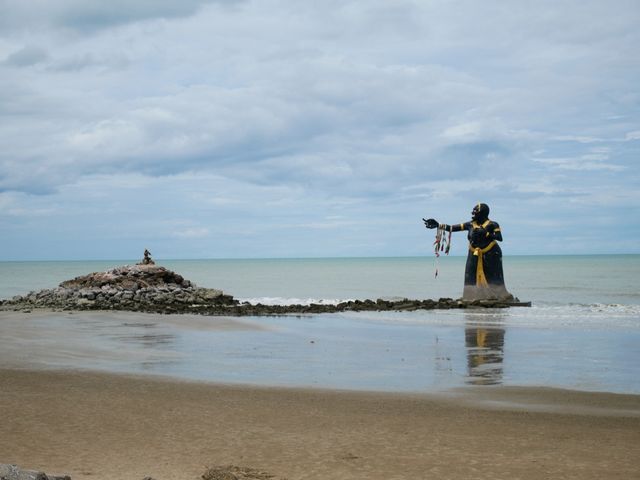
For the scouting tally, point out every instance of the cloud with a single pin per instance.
(630, 136)
(576, 138)
(91, 15)
(14, 205)
(27, 56)
(588, 162)
(193, 232)
(311, 111)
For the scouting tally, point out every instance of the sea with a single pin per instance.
(582, 331)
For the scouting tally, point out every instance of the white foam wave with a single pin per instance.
(596, 315)
(615, 309)
(293, 301)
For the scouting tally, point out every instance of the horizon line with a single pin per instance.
(364, 257)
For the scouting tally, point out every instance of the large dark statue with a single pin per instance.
(483, 276)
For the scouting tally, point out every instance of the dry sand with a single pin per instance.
(100, 426)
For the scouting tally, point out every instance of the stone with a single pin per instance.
(13, 472)
(233, 472)
(209, 293)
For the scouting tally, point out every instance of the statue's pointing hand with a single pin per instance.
(430, 223)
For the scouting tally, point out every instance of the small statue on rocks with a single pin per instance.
(147, 258)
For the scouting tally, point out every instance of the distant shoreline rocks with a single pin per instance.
(155, 289)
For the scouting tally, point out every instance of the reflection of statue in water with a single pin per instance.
(147, 258)
(485, 351)
(483, 277)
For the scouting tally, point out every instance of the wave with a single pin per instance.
(577, 315)
(627, 309)
(293, 301)
(308, 301)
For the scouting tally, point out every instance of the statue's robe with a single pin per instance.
(483, 276)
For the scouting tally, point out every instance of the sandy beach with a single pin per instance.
(64, 410)
(103, 426)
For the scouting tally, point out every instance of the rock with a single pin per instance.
(13, 472)
(209, 293)
(232, 472)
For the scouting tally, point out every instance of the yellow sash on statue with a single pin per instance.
(481, 279)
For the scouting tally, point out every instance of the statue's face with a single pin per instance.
(480, 213)
(475, 212)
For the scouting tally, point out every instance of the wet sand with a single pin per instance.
(101, 340)
(102, 426)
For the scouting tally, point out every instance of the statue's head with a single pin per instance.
(480, 212)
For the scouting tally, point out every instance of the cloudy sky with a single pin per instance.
(279, 128)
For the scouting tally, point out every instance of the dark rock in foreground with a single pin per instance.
(232, 472)
(154, 289)
(13, 472)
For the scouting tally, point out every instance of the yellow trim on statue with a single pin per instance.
(477, 225)
(481, 279)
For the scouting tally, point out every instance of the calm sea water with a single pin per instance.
(582, 332)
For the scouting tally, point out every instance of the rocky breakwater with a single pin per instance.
(148, 288)
(154, 289)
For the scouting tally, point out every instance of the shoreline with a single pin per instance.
(539, 399)
(107, 426)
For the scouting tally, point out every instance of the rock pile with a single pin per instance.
(154, 289)
(131, 287)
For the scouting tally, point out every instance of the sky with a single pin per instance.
(278, 128)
